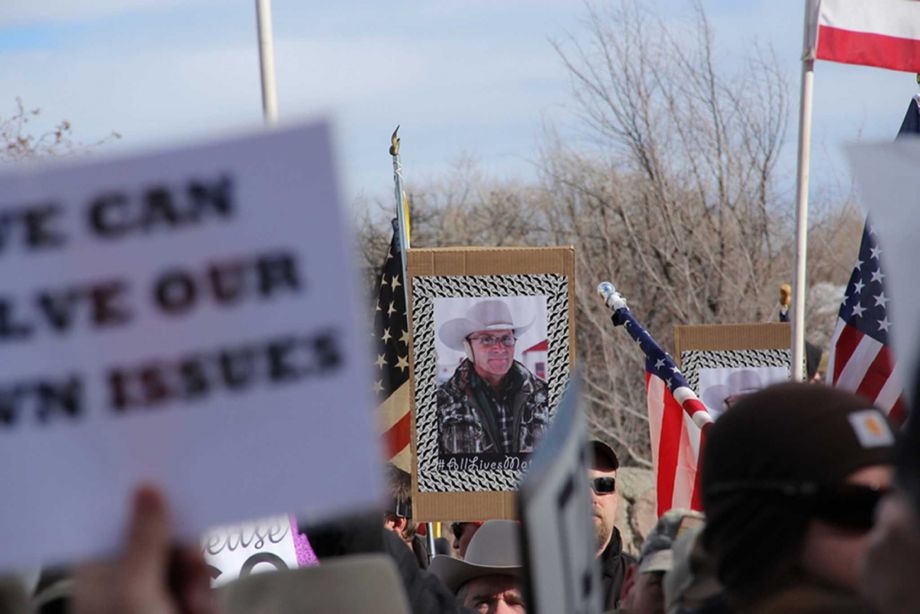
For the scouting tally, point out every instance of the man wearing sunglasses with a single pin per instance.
(791, 477)
(604, 503)
(492, 404)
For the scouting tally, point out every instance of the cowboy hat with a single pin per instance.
(353, 584)
(494, 550)
(491, 314)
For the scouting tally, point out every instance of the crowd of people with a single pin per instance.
(809, 505)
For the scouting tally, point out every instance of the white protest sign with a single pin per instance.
(269, 544)
(889, 179)
(186, 318)
(555, 503)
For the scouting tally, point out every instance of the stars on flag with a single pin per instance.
(392, 354)
(865, 304)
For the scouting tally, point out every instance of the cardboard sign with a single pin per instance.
(723, 362)
(555, 503)
(480, 314)
(269, 544)
(188, 319)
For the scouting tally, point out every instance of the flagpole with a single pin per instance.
(402, 208)
(402, 218)
(799, 286)
(267, 61)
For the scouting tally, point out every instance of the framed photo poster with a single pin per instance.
(493, 341)
(723, 362)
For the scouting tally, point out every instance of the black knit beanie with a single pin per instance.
(789, 433)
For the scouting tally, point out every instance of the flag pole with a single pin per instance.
(402, 208)
(267, 61)
(405, 231)
(799, 287)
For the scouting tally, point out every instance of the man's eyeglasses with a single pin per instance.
(849, 506)
(490, 340)
(603, 486)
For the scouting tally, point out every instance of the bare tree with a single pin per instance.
(674, 200)
(19, 142)
(679, 209)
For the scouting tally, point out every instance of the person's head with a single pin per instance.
(495, 594)
(492, 353)
(462, 533)
(893, 557)
(642, 586)
(604, 498)
(691, 582)
(398, 516)
(487, 334)
(488, 579)
(790, 479)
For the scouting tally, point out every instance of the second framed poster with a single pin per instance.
(493, 343)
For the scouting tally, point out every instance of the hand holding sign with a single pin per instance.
(149, 577)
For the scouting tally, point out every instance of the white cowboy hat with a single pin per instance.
(492, 314)
(494, 550)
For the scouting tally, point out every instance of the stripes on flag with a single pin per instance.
(882, 33)
(676, 444)
(860, 358)
(677, 419)
(391, 332)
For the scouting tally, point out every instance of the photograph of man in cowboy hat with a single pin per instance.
(492, 403)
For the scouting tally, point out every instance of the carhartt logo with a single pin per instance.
(871, 428)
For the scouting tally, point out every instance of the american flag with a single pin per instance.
(391, 332)
(677, 419)
(860, 358)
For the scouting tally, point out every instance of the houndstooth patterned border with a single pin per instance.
(691, 361)
(427, 288)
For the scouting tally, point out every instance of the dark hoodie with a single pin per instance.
(613, 567)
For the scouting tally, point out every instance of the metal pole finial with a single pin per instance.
(394, 142)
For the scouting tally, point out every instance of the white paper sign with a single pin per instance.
(888, 176)
(269, 544)
(186, 318)
(555, 503)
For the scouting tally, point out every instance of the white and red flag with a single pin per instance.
(883, 33)
(677, 419)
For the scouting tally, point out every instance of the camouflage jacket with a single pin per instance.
(464, 428)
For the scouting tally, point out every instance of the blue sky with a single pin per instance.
(464, 78)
